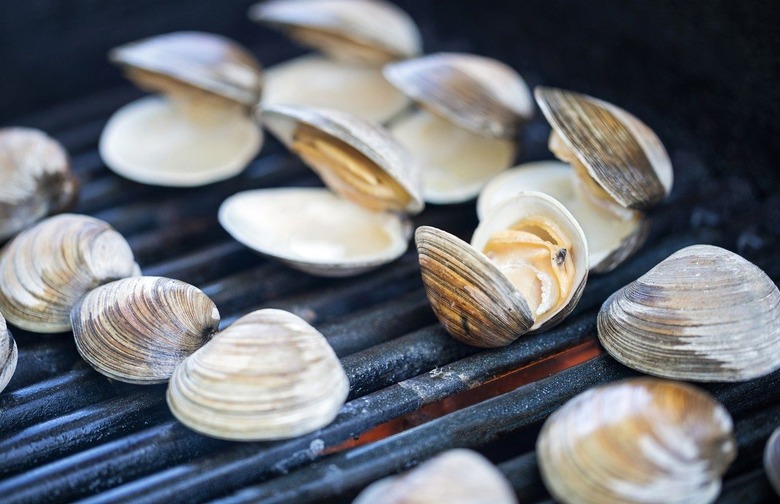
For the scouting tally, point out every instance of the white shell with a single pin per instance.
(314, 230)
(269, 375)
(772, 460)
(8, 354)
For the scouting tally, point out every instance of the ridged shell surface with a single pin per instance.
(702, 314)
(48, 268)
(36, 179)
(638, 440)
(269, 375)
(137, 330)
(454, 477)
(8, 354)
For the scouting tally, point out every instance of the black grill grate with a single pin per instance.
(68, 434)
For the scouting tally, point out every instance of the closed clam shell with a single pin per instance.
(186, 62)
(525, 270)
(637, 440)
(621, 155)
(702, 314)
(355, 158)
(476, 93)
(455, 476)
(36, 176)
(137, 330)
(365, 31)
(772, 460)
(48, 268)
(8, 354)
(269, 375)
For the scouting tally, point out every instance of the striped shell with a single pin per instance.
(137, 330)
(702, 314)
(8, 354)
(638, 440)
(48, 268)
(269, 375)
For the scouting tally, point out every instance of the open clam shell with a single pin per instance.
(8, 354)
(36, 179)
(772, 460)
(366, 31)
(615, 152)
(456, 476)
(270, 375)
(314, 230)
(611, 238)
(137, 330)
(703, 314)
(638, 440)
(48, 268)
(357, 159)
(476, 93)
(525, 270)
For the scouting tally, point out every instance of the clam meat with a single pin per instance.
(199, 129)
(525, 270)
(137, 330)
(46, 269)
(8, 354)
(269, 375)
(470, 109)
(702, 314)
(637, 440)
(456, 476)
(36, 179)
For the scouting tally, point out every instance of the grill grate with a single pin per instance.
(67, 434)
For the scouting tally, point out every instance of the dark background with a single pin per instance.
(704, 73)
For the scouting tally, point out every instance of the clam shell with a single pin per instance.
(611, 238)
(270, 375)
(137, 330)
(637, 440)
(479, 94)
(314, 230)
(8, 354)
(48, 268)
(36, 176)
(186, 62)
(771, 460)
(365, 31)
(473, 299)
(702, 314)
(456, 477)
(363, 163)
(620, 153)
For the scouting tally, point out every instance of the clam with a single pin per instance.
(357, 37)
(269, 375)
(199, 130)
(137, 330)
(464, 132)
(46, 269)
(359, 227)
(525, 270)
(618, 169)
(637, 440)
(702, 314)
(772, 460)
(37, 180)
(8, 354)
(456, 477)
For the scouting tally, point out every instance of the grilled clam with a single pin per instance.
(471, 109)
(313, 229)
(8, 354)
(772, 460)
(357, 37)
(37, 180)
(638, 440)
(269, 375)
(137, 330)
(703, 314)
(525, 270)
(456, 477)
(199, 130)
(48, 268)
